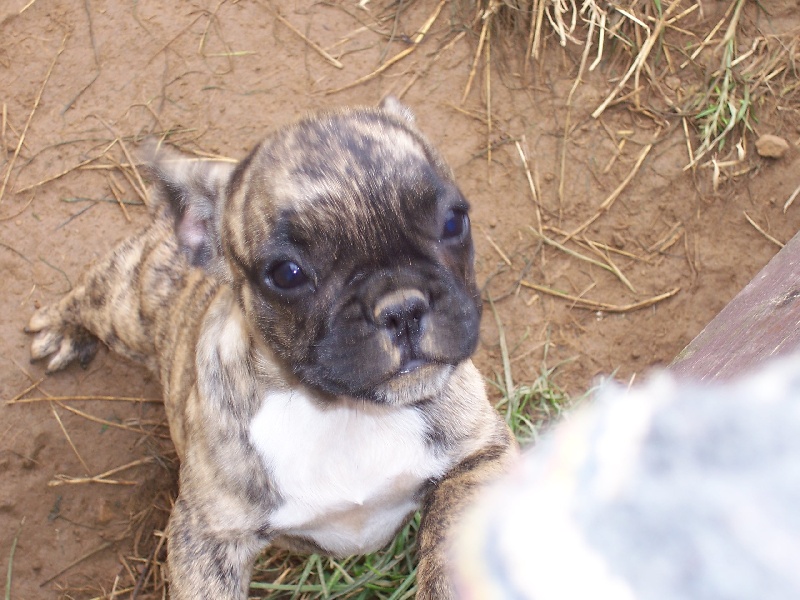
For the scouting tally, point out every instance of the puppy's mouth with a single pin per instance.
(414, 364)
(416, 369)
(416, 379)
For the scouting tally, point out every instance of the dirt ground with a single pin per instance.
(213, 77)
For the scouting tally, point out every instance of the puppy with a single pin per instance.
(310, 313)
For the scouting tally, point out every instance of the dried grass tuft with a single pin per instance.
(726, 68)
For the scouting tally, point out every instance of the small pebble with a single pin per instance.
(771, 146)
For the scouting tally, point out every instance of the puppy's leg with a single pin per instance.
(108, 306)
(60, 335)
(205, 564)
(442, 509)
(125, 299)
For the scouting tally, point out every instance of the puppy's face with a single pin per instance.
(349, 247)
(351, 252)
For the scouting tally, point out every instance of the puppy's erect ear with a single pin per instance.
(191, 190)
(392, 105)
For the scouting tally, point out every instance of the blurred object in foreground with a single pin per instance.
(668, 490)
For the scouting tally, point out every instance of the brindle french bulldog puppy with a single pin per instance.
(310, 313)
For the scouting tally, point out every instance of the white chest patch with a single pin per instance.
(348, 473)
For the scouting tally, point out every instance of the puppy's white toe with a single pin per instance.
(39, 320)
(46, 342)
(66, 353)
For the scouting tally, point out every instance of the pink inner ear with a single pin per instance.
(192, 233)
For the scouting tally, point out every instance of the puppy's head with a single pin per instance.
(348, 246)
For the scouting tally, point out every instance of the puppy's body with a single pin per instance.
(310, 314)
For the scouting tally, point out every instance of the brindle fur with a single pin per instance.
(357, 197)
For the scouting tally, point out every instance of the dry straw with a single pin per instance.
(723, 72)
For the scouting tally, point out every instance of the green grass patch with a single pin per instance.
(386, 575)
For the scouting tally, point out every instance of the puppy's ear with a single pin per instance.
(191, 191)
(393, 106)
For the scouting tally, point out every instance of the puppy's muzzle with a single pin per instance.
(401, 313)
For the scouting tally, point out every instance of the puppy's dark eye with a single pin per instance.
(287, 275)
(456, 224)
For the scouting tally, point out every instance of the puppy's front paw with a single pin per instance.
(62, 341)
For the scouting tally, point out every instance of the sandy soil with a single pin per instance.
(215, 77)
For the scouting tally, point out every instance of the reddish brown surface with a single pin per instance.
(158, 66)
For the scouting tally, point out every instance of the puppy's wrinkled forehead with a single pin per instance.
(358, 171)
(344, 161)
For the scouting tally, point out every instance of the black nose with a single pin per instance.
(401, 311)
